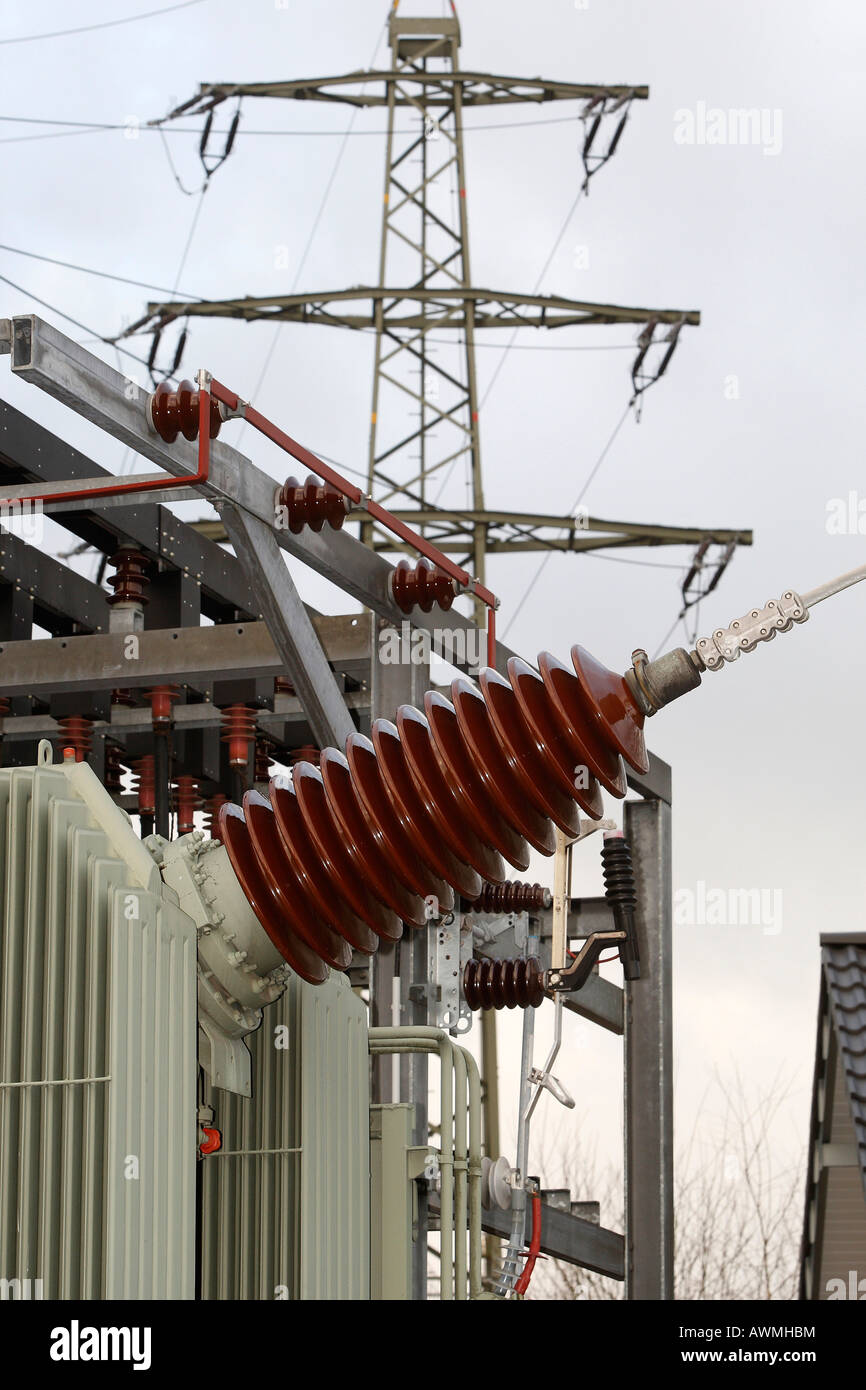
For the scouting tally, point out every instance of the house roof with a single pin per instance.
(843, 958)
(835, 1216)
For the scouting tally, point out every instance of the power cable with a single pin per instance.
(96, 337)
(106, 24)
(89, 270)
(94, 127)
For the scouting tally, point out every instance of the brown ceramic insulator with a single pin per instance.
(239, 731)
(283, 686)
(432, 805)
(186, 803)
(211, 813)
(146, 784)
(130, 580)
(161, 697)
(512, 897)
(307, 753)
(312, 504)
(503, 984)
(123, 698)
(114, 767)
(421, 585)
(76, 732)
(174, 411)
(263, 760)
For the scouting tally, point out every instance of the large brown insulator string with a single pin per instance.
(431, 806)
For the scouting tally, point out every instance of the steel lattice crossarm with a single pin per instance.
(524, 531)
(424, 280)
(439, 307)
(435, 88)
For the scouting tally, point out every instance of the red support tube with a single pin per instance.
(534, 1247)
(149, 484)
(255, 418)
(379, 513)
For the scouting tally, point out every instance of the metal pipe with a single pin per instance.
(422, 1038)
(473, 1090)
(461, 1163)
(509, 1271)
(446, 1154)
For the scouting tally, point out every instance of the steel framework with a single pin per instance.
(341, 682)
(424, 289)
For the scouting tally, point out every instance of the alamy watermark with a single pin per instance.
(413, 646)
(846, 516)
(729, 907)
(24, 518)
(855, 1289)
(713, 125)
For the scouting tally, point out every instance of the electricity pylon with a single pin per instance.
(424, 309)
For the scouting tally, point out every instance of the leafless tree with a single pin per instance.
(738, 1207)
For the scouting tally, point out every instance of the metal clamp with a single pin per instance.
(744, 634)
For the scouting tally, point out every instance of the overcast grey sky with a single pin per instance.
(765, 239)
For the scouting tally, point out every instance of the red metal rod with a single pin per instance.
(377, 511)
(148, 485)
(534, 1247)
(491, 637)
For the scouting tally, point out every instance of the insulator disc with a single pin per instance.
(235, 836)
(336, 862)
(405, 857)
(325, 898)
(276, 867)
(424, 831)
(610, 700)
(437, 784)
(554, 729)
(467, 787)
(587, 747)
(369, 863)
(527, 765)
(492, 769)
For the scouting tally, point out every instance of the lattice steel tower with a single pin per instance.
(425, 309)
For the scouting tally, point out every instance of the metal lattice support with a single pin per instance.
(423, 307)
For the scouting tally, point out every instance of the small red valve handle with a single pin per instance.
(212, 1142)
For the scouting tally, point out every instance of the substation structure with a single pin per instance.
(198, 1097)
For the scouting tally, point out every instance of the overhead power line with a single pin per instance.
(99, 337)
(96, 127)
(105, 24)
(89, 270)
